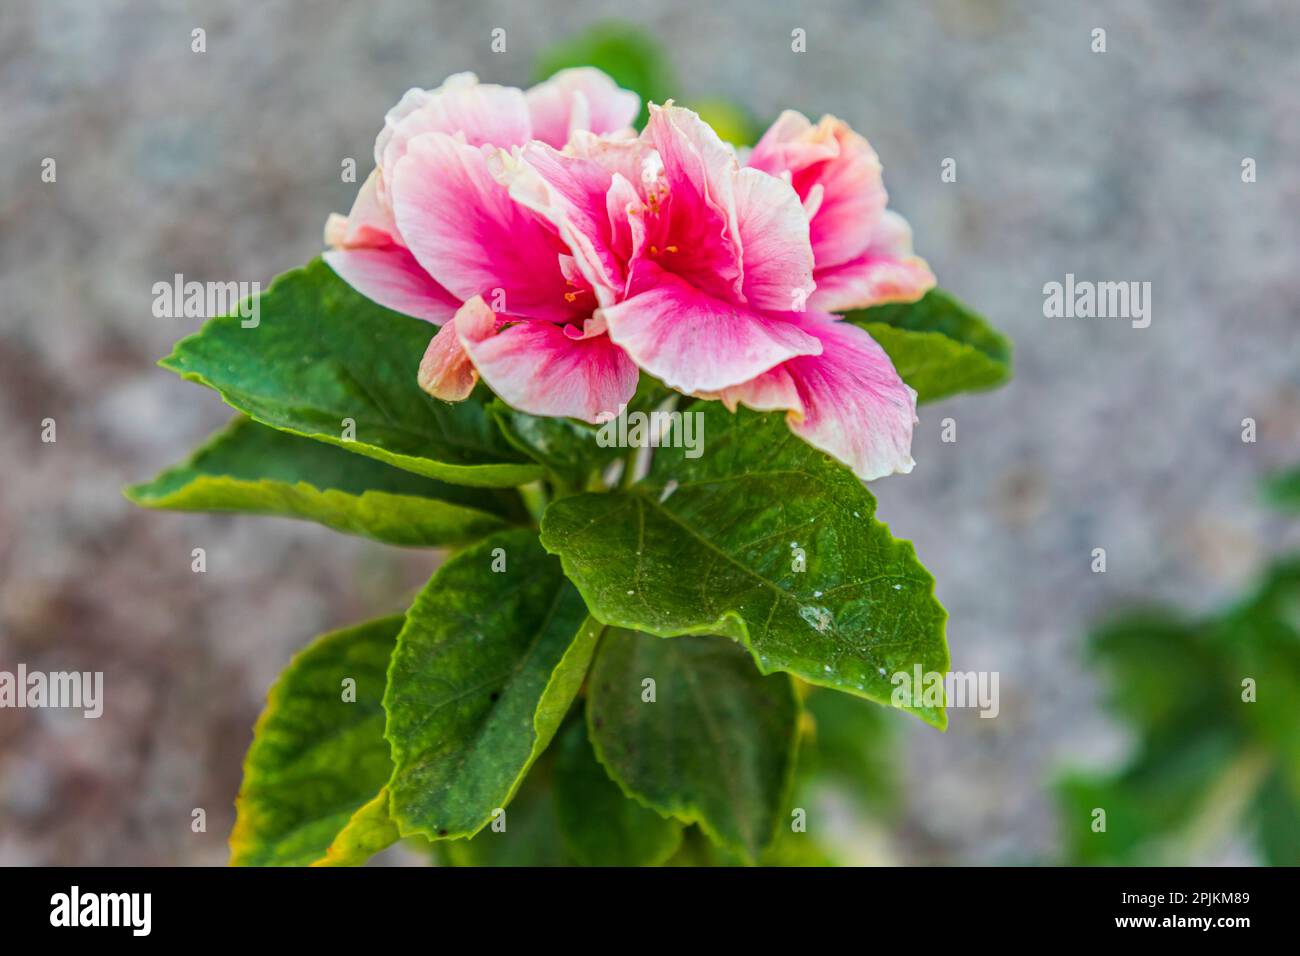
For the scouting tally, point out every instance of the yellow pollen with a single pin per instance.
(671, 248)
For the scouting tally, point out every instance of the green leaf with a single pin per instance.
(322, 354)
(939, 346)
(566, 447)
(600, 825)
(485, 669)
(248, 467)
(531, 837)
(707, 546)
(370, 830)
(569, 448)
(318, 758)
(626, 53)
(789, 849)
(715, 747)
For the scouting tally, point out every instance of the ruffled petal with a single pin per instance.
(690, 215)
(886, 272)
(483, 113)
(370, 224)
(583, 98)
(631, 156)
(466, 231)
(694, 342)
(542, 369)
(836, 172)
(777, 257)
(848, 401)
(571, 193)
(792, 144)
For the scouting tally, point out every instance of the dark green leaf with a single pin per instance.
(251, 468)
(716, 745)
(531, 837)
(708, 546)
(601, 826)
(566, 447)
(485, 669)
(321, 354)
(318, 758)
(939, 346)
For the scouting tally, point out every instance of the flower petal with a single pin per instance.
(446, 371)
(485, 114)
(369, 225)
(537, 368)
(886, 272)
(571, 193)
(790, 144)
(630, 155)
(777, 257)
(690, 222)
(694, 342)
(583, 98)
(848, 401)
(463, 227)
(391, 277)
(832, 156)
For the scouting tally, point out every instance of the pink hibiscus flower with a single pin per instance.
(434, 232)
(726, 297)
(560, 252)
(863, 250)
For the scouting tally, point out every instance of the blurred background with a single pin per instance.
(1123, 165)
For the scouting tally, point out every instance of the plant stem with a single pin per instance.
(1225, 801)
(535, 499)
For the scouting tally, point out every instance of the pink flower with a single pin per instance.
(863, 250)
(561, 253)
(725, 296)
(436, 233)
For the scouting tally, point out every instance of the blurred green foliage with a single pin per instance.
(634, 59)
(637, 62)
(1283, 490)
(1214, 704)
